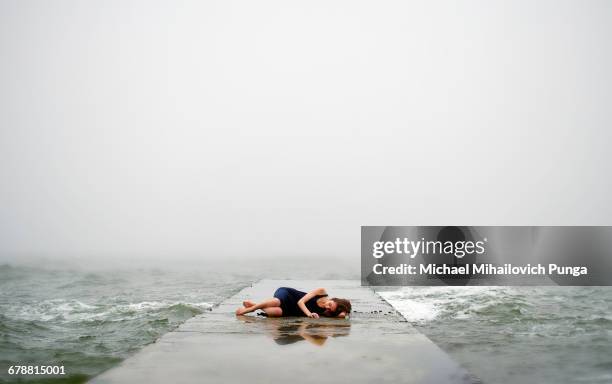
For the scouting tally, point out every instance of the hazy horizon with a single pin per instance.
(274, 129)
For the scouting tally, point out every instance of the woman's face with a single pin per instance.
(331, 306)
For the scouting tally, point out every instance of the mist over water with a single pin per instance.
(156, 156)
(226, 128)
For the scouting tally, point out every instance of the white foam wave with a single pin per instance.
(155, 305)
(425, 304)
(73, 310)
(414, 311)
(143, 306)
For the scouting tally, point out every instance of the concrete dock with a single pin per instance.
(375, 345)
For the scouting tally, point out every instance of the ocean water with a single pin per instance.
(90, 319)
(517, 334)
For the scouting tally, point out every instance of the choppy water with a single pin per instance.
(90, 321)
(517, 334)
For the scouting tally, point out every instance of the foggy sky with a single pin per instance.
(278, 128)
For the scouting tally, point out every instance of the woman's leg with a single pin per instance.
(274, 302)
(273, 311)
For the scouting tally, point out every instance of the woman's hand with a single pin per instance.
(313, 315)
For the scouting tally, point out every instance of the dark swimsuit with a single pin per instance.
(289, 298)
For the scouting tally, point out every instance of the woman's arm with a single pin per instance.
(308, 296)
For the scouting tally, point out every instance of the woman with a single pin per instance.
(291, 302)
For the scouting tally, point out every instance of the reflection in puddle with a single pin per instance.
(289, 330)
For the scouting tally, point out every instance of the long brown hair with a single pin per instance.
(342, 305)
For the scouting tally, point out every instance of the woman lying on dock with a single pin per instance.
(291, 302)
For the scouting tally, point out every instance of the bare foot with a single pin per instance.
(248, 303)
(241, 311)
